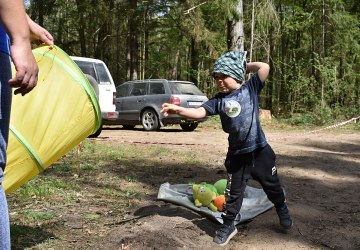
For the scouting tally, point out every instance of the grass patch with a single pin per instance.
(91, 217)
(34, 217)
(45, 188)
(90, 189)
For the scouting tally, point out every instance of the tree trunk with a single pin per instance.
(132, 42)
(283, 72)
(81, 29)
(117, 54)
(176, 65)
(194, 58)
(103, 48)
(146, 51)
(323, 53)
(38, 12)
(235, 31)
(252, 29)
(269, 99)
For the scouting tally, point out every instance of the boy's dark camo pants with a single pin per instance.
(258, 165)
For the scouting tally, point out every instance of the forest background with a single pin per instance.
(312, 46)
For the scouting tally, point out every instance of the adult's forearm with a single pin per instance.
(13, 18)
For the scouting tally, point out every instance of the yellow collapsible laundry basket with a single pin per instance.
(60, 112)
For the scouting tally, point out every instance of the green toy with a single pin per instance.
(211, 187)
(203, 196)
(220, 186)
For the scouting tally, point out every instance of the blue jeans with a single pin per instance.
(4, 221)
(5, 104)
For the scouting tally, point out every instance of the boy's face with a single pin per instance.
(226, 83)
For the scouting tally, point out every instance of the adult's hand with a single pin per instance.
(39, 34)
(26, 68)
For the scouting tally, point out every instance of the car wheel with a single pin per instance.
(189, 126)
(129, 127)
(150, 120)
(97, 133)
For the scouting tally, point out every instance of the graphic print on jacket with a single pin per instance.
(238, 123)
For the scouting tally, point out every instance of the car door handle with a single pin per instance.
(139, 100)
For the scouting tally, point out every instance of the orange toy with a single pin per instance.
(219, 202)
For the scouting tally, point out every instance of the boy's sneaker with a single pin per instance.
(284, 216)
(224, 234)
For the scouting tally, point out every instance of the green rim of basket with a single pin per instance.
(81, 80)
(28, 148)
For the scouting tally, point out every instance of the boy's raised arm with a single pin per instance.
(261, 68)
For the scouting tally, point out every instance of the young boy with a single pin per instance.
(249, 155)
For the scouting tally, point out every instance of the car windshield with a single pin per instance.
(185, 89)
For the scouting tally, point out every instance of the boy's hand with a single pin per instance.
(168, 108)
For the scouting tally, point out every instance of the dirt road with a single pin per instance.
(319, 171)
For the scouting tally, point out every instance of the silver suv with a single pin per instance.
(139, 103)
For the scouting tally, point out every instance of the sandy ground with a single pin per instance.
(319, 171)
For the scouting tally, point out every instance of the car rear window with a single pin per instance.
(122, 90)
(87, 68)
(96, 70)
(102, 74)
(139, 88)
(181, 88)
(156, 88)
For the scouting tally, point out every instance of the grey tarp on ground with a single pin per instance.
(255, 201)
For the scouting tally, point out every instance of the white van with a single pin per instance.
(100, 79)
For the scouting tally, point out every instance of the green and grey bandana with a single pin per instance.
(232, 63)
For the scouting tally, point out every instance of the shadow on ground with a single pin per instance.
(27, 236)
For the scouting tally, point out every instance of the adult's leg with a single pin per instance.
(4, 220)
(5, 104)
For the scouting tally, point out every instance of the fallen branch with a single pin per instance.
(126, 220)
